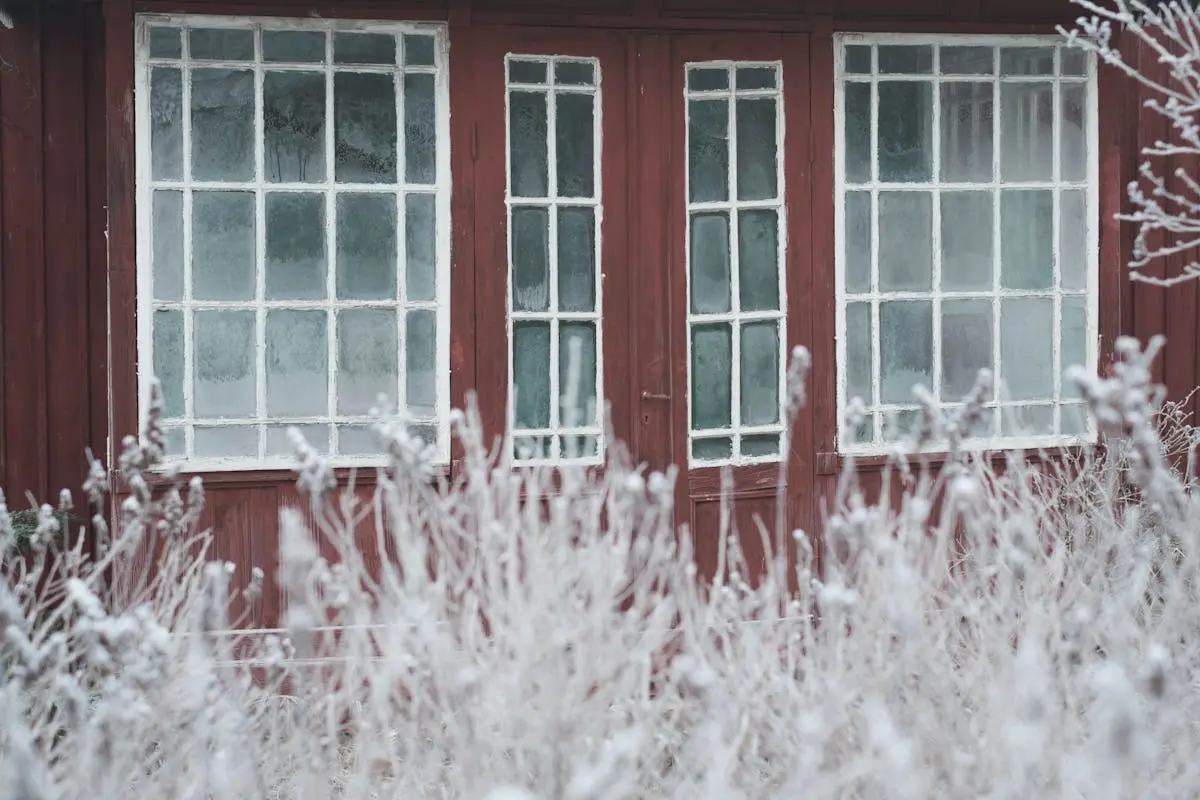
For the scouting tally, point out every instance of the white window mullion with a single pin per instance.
(997, 421)
(556, 448)
(1056, 112)
(331, 259)
(189, 347)
(260, 249)
(936, 233)
(735, 302)
(398, 83)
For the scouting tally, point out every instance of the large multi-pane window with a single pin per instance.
(735, 234)
(966, 230)
(554, 215)
(293, 187)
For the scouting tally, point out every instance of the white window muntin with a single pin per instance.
(736, 434)
(562, 441)
(346, 436)
(1083, 73)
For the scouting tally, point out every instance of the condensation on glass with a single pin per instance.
(966, 233)
(735, 233)
(554, 211)
(293, 202)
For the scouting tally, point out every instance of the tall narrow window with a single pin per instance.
(966, 231)
(293, 232)
(554, 214)
(735, 235)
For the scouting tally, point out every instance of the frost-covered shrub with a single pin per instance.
(1017, 631)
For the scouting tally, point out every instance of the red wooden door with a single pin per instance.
(551, 245)
(739, 286)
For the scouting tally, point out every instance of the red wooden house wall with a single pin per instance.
(67, 230)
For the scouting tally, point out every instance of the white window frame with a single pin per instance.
(145, 185)
(995, 441)
(735, 317)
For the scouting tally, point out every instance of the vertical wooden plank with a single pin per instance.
(1116, 137)
(23, 262)
(97, 229)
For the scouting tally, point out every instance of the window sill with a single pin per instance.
(834, 463)
(233, 474)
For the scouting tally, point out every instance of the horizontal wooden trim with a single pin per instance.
(835, 463)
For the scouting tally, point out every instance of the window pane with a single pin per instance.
(364, 48)
(966, 344)
(967, 110)
(575, 145)
(176, 442)
(168, 245)
(1072, 239)
(758, 260)
(238, 442)
(366, 246)
(1026, 355)
(906, 348)
(905, 59)
(858, 132)
(166, 123)
(165, 42)
(223, 231)
(860, 348)
(751, 78)
(420, 246)
(905, 131)
(168, 360)
(420, 343)
(757, 150)
(1026, 60)
(280, 444)
(1074, 418)
(858, 242)
(297, 47)
(295, 246)
(527, 117)
(297, 363)
(218, 44)
(294, 126)
(1026, 239)
(1074, 132)
(222, 124)
(420, 129)
(760, 445)
(364, 114)
(224, 380)
(708, 150)
(712, 449)
(531, 374)
(1027, 421)
(579, 402)
(1074, 340)
(1027, 131)
(712, 376)
(358, 440)
(760, 373)
(905, 241)
(1074, 61)
(367, 358)
(710, 280)
(526, 71)
(576, 259)
(967, 61)
(707, 79)
(858, 59)
(530, 259)
(419, 50)
(574, 73)
(967, 225)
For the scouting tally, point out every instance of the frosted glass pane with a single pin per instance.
(1026, 347)
(175, 442)
(1027, 421)
(1072, 239)
(1074, 419)
(710, 279)
(420, 246)
(367, 359)
(1027, 61)
(905, 131)
(760, 373)
(712, 449)
(750, 78)
(531, 374)
(221, 44)
(858, 242)
(294, 126)
(757, 149)
(366, 246)
(1074, 340)
(967, 60)
(707, 79)
(858, 132)
(419, 50)
(165, 42)
(420, 129)
(296, 47)
(712, 376)
(708, 150)
(576, 259)
(966, 344)
(364, 48)
(906, 348)
(1074, 61)
(1026, 239)
(528, 144)
(905, 241)
(530, 259)
(420, 343)
(222, 124)
(526, 71)
(1073, 136)
(860, 344)
(574, 73)
(758, 259)
(166, 123)
(168, 245)
(234, 442)
(905, 59)
(967, 227)
(168, 360)
(760, 445)
(223, 231)
(966, 135)
(858, 59)
(295, 246)
(579, 402)
(575, 144)
(280, 444)
(297, 363)
(358, 440)
(1027, 131)
(364, 118)
(224, 362)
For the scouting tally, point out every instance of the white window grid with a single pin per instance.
(180, 431)
(735, 317)
(886, 419)
(559, 443)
